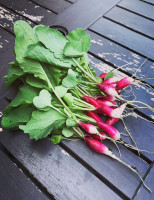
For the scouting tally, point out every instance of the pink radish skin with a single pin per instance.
(124, 83)
(97, 146)
(100, 137)
(92, 101)
(101, 148)
(103, 75)
(111, 80)
(109, 90)
(117, 113)
(106, 103)
(94, 115)
(114, 102)
(89, 128)
(111, 131)
(107, 98)
(110, 121)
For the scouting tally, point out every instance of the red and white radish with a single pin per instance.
(89, 128)
(102, 76)
(124, 83)
(110, 130)
(110, 121)
(94, 115)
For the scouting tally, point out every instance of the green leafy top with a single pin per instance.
(109, 75)
(78, 43)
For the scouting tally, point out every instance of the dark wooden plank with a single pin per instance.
(121, 57)
(125, 37)
(138, 7)
(82, 13)
(53, 5)
(30, 10)
(14, 184)
(72, 1)
(55, 169)
(111, 170)
(7, 18)
(144, 194)
(6, 45)
(131, 20)
(141, 91)
(148, 1)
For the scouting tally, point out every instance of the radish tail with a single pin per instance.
(131, 168)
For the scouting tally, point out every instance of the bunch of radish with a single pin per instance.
(60, 95)
(107, 106)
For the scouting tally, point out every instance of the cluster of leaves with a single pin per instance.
(47, 64)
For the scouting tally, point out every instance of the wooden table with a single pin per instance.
(122, 34)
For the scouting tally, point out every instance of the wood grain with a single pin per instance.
(143, 193)
(83, 13)
(30, 10)
(132, 21)
(53, 5)
(14, 184)
(138, 7)
(121, 57)
(55, 169)
(128, 38)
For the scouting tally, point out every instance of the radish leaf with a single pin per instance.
(61, 90)
(67, 133)
(25, 96)
(70, 81)
(55, 139)
(109, 75)
(43, 100)
(14, 73)
(70, 123)
(40, 53)
(78, 43)
(42, 123)
(17, 116)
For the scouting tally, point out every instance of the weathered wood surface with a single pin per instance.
(14, 184)
(142, 193)
(138, 7)
(132, 21)
(29, 10)
(128, 38)
(122, 58)
(72, 170)
(83, 13)
(53, 5)
(55, 169)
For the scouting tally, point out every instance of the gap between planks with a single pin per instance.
(27, 173)
(135, 12)
(119, 44)
(112, 20)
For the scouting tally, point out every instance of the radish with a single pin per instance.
(106, 103)
(91, 100)
(110, 121)
(101, 148)
(107, 98)
(97, 146)
(103, 75)
(94, 115)
(107, 89)
(124, 83)
(116, 113)
(111, 80)
(111, 131)
(101, 136)
(89, 128)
